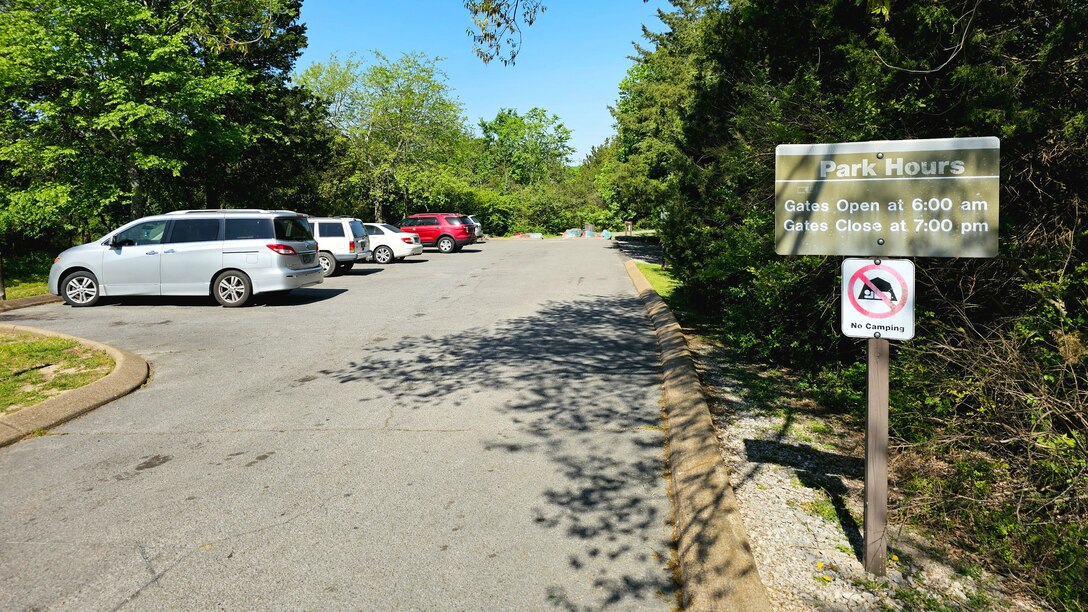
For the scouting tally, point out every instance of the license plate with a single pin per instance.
(308, 258)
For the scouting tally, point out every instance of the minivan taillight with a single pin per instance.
(351, 247)
(283, 249)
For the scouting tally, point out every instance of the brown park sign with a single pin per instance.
(914, 198)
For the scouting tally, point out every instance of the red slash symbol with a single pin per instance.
(893, 307)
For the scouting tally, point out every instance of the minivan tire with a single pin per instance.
(328, 263)
(80, 289)
(232, 289)
(446, 245)
(383, 255)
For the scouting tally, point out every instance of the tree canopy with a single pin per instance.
(114, 107)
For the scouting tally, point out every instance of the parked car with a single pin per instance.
(341, 241)
(449, 232)
(389, 243)
(479, 228)
(229, 254)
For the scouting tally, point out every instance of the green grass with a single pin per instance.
(27, 275)
(914, 599)
(659, 278)
(822, 507)
(35, 368)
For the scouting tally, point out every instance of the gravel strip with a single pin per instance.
(798, 474)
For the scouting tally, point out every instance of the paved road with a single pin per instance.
(463, 432)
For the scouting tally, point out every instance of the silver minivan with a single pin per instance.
(229, 254)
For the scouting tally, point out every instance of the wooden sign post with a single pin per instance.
(876, 460)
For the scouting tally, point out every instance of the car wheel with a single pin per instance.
(446, 244)
(383, 255)
(80, 289)
(328, 263)
(232, 288)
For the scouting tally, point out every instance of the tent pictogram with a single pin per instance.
(867, 284)
(881, 285)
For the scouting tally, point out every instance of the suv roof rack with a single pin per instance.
(245, 211)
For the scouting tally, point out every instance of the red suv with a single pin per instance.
(450, 232)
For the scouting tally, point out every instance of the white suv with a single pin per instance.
(342, 241)
(479, 228)
(231, 254)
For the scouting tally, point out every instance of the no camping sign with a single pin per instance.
(878, 298)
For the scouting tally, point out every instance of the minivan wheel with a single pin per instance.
(383, 255)
(232, 288)
(80, 289)
(328, 263)
(446, 244)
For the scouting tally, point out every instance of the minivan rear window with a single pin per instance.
(357, 229)
(455, 220)
(294, 229)
(249, 229)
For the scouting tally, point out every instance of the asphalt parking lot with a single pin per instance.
(477, 430)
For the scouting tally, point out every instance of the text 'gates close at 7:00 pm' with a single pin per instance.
(878, 298)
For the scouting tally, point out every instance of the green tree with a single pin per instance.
(497, 26)
(111, 107)
(398, 119)
(524, 149)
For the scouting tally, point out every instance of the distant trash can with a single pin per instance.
(590, 228)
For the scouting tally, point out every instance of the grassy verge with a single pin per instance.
(35, 368)
(27, 275)
(663, 282)
(660, 279)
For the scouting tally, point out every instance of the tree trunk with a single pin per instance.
(136, 205)
(3, 292)
(211, 195)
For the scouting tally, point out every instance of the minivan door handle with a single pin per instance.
(169, 251)
(151, 253)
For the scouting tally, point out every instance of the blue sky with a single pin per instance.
(571, 62)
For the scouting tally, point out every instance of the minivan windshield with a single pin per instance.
(294, 229)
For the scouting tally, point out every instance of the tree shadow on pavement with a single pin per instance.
(643, 248)
(582, 381)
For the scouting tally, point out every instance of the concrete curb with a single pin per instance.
(27, 302)
(717, 569)
(129, 372)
